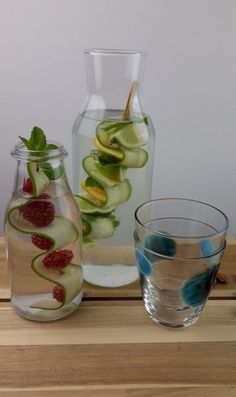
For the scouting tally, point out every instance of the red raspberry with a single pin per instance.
(27, 186)
(58, 260)
(58, 293)
(39, 213)
(41, 242)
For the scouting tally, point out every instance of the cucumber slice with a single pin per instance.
(135, 158)
(130, 158)
(109, 175)
(38, 178)
(132, 135)
(118, 194)
(61, 231)
(101, 228)
(95, 191)
(89, 208)
(70, 280)
(118, 154)
(113, 133)
(113, 195)
(104, 132)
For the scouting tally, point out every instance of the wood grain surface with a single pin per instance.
(110, 347)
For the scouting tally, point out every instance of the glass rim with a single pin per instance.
(21, 152)
(180, 236)
(113, 51)
(182, 258)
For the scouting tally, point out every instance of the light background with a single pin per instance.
(189, 87)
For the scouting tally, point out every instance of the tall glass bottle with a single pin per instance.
(113, 143)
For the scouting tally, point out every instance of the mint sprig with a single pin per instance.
(37, 140)
(38, 143)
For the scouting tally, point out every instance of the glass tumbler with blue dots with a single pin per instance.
(179, 244)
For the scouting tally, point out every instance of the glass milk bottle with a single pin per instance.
(42, 228)
(113, 143)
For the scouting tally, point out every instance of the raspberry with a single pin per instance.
(39, 213)
(41, 242)
(58, 260)
(27, 186)
(58, 293)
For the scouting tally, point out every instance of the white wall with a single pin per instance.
(189, 87)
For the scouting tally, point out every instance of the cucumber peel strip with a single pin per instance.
(38, 178)
(100, 227)
(92, 208)
(114, 195)
(70, 278)
(61, 231)
(118, 144)
(129, 158)
(110, 175)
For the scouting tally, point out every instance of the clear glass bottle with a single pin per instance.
(113, 143)
(42, 229)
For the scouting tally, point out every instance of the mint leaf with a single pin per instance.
(25, 142)
(51, 146)
(37, 139)
(38, 143)
(52, 173)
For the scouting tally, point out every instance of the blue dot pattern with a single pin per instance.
(144, 265)
(161, 245)
(195, 291)
(207, 247)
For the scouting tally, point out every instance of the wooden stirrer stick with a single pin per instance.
(133, 88)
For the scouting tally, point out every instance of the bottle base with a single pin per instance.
(110, 276)
(23, 309)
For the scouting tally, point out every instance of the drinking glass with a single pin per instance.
(179, 245)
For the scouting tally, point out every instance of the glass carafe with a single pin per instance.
(43, 236)
(113, 143)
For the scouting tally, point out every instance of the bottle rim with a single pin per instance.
(113, 51)
(21, 152)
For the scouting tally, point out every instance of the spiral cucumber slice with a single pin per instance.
(135, 158)
(38, 178)
(86, 207)
(109, 175)
(118, 143)
(113, 195)
(129, 158)
(69, 280)
(60, 232)
(116, 153)
(98, 228)
(128, 133)
(131, 136)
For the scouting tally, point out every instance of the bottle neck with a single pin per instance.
(110, 76)
(40, 169)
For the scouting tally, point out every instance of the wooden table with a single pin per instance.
(110, 347)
